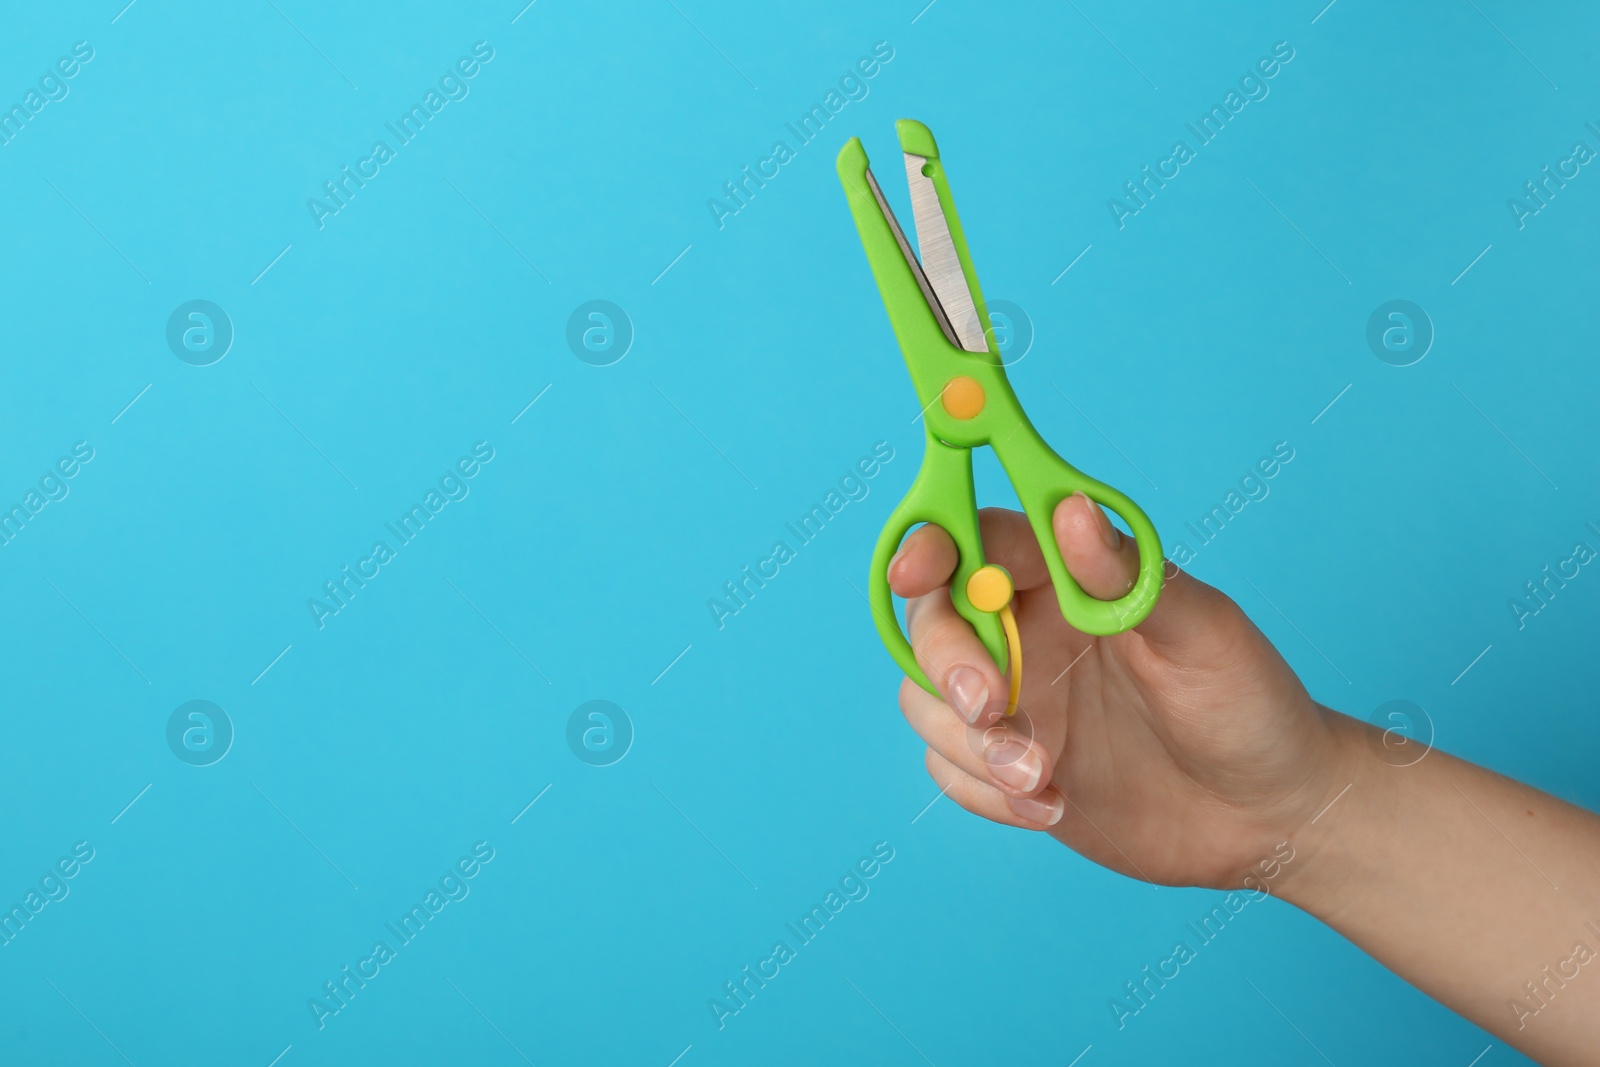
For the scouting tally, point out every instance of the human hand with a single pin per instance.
(1181, 752)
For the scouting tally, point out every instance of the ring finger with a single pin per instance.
(981, 798)
(1007, 754)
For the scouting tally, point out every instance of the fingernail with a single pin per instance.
(894, 559)
(969, 692)
(1014, 765)
(1108, 533)
(1045, 810)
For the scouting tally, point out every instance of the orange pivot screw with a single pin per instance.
(963, 397)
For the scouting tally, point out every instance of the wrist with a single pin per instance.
(1338, 844)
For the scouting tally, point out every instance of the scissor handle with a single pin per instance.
(1042, 480)
(942, 494)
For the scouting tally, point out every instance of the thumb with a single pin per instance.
(1104, 562)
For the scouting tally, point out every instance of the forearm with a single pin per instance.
(1480, 891)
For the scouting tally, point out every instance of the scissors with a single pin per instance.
(939, 317)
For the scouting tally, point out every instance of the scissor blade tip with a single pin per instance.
(916, 138)
(852, 162)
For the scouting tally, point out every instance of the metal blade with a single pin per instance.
(940, 262)
(911, 260)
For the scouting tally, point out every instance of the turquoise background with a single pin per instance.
(767, 756)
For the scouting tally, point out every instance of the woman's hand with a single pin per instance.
(1186, 752)
(1181, 752)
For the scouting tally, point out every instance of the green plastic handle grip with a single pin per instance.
(1043, 480)
(942, 494)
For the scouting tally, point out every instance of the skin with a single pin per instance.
(1186, 752)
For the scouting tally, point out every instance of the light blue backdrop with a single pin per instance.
(766, 758)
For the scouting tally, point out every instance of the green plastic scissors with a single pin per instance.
(939, 317)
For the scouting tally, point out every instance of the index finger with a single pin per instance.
(925, 562)
(928, 557)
